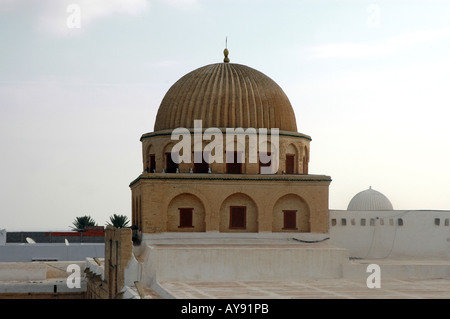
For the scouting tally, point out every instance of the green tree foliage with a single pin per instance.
(82, 222)
(118, 221)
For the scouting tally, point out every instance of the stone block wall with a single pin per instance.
(118, 252)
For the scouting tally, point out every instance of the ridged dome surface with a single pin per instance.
(226, 95)
(369, 199)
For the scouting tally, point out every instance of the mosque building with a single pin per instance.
(230, 195)
(222, 220)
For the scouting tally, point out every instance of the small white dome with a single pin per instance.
(369, 199)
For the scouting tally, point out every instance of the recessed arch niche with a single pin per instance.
(183, 202)
(238, 200)
(283, 209)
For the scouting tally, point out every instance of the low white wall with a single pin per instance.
(26, 271)
(50, 251)
(39, 287)
(383, 236)
(22, 271)
(245, 263)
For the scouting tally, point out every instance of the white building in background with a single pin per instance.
(370, 228)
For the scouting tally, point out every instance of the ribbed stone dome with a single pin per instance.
(369, 199)
(226, 95)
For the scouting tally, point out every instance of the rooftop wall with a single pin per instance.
(38, 280)
(50, 252)
(392, 234)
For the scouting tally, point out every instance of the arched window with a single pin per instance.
(203, 166)
(291, 159)
(290, 163)
(238, 213)
(291, 213)
(150, 160)
(186, 213)
(171, 165)
(151, 163)
(234, 162)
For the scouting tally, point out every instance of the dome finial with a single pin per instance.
(225, 52)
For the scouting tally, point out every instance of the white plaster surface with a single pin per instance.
(230, 257)
(38, 277)
(224, 263)
(22, 271)
(418, 238)
(40, 286)
(50, 251)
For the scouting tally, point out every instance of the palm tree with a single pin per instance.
(81, 223)
(118, 221)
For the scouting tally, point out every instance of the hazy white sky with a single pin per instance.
(369, 82)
